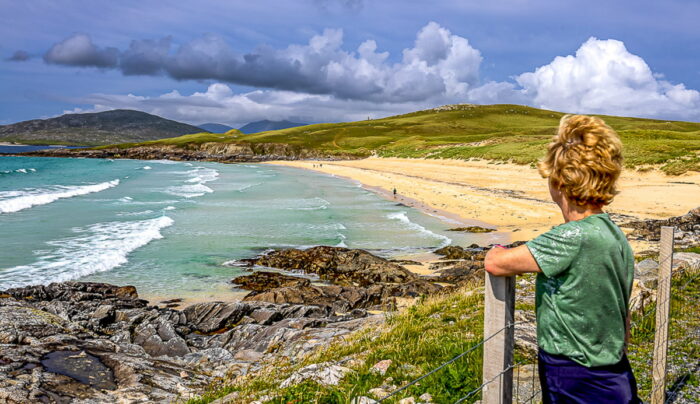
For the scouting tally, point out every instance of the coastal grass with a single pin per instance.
(683, 348)
(512, 133)
(434, 330)
(417, 340)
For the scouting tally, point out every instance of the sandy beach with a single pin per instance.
(512, 198)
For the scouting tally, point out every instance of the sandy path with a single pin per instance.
(511, 197)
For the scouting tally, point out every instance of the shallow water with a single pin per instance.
(167, 227)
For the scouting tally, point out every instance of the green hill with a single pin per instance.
(266, 125)
(497, 132)
(98, 128)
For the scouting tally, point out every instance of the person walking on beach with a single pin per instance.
(585, 269)
(394, 193)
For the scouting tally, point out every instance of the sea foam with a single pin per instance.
(194, 185)
(13, 201)
(96, 248)
(403, 218)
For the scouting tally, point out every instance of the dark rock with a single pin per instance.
(73, 291)
(340, 265)
(261, 281)
(472, 229)
(687, 228)
(215, 316)
(453, 252)
(346, 298)
(88, 342)
(339, 298)
(17, 323)
(460, 272)
(227, 152)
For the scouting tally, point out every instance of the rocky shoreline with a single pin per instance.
(94, 343)
(210, 151)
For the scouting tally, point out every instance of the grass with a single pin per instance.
(684, 326)
(511, 133)
(417, 340)
(436, 329)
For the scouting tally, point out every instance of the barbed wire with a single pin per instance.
(673, 394)
(536, 390)
(478, 389)
(670, 296)
(471, 349)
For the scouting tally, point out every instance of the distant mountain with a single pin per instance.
(263, 126)
(109, 127)
(215, 127)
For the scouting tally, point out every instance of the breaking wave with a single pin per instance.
(96, 248)
(13, 201)
(403, 218)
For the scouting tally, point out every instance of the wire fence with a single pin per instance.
(528, 386)
(679, 378)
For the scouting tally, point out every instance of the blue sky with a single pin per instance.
(234, 62)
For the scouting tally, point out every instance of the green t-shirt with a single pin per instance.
(583, 291)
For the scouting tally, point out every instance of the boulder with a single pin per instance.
(342, 266)
(687, 228)
(453, 252)
(472, 229)
(18, 323)
(326, 374)
(344, 298)
(261, 281)
(215, 316)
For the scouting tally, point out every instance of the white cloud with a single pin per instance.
(604, 77)
(320, 82)
(221, 105)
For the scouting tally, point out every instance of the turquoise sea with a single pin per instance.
(176, 228)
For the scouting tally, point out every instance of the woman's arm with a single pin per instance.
(501, 261)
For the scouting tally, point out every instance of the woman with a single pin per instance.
(584, 271)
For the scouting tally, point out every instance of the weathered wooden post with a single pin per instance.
(499, 309)
(663, 304)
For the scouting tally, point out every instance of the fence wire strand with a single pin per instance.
(468, 351)
(671, 394)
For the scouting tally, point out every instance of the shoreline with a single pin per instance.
(513, 198)
(445, 216)
(227, 292)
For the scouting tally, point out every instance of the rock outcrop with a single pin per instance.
(281, 289)
(226, 152)
(341, 266)
(687, 228)
(95, 342)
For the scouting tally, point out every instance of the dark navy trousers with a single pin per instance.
(565, 381)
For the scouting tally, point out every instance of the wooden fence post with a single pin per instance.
(499, 310)
(663, 303)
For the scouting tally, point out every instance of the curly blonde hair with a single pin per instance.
(584, 160)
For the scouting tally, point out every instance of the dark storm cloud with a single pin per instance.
(78, 50)
(145, 57)
(19, 56)
(438, 63)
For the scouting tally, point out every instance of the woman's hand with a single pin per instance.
(501, 261)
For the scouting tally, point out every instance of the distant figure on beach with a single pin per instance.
(394, 193)
(585, 269)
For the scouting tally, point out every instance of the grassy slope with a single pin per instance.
(437, 329)
(498, 132)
